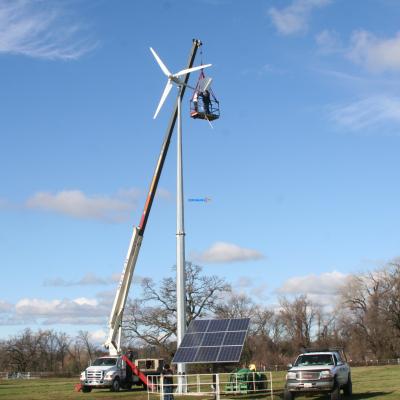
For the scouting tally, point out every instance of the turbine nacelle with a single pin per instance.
(172, 78)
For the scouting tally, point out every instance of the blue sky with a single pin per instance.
(301, 169)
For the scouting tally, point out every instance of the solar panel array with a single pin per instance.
(213, 341)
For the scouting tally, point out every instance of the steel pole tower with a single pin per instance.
(180, 242)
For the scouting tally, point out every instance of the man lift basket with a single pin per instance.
(204, 104)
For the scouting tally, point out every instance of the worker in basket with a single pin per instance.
(204, 104)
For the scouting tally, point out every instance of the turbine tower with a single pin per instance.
(180, 228)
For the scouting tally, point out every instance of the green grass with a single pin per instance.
(376, 383)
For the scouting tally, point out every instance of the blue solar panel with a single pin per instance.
(185, 353)
(212, 341)
(207, 354)
(234, 338)
(238, 324)
(230, 354)
(198, 325)
(192, 340)
(218, 325)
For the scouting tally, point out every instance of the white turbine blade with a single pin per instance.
(181, 83)
(167, 89)
(160, 63)
(186, 71)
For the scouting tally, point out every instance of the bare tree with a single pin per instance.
(298, 318)
(84, 338)
(365, 316)
(152, 319)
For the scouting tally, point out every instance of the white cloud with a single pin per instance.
(328, 42)
(5, 307)
(98, 336)
(321, 289)
(86, 280)
(222, 252)
(42, 30)
(294, 18)
(66, 311)
(371, 112)
(78, 311)
(77, 204)
(245, 285)
(326, 283)
(373, 53)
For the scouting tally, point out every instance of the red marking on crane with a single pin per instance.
(137, 372)
(78, 387)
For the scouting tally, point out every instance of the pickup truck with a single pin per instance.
(319, 372)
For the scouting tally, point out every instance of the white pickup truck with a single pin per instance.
(319, 372)
(113, 372)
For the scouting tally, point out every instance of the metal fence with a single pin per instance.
(211, 385)
(35, 375)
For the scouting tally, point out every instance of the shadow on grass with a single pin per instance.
(370, 395)
(355, 396)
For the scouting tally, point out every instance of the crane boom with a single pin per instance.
(113, 342)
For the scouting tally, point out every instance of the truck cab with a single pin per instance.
(112, 372)
(105, 372)
(319, 372)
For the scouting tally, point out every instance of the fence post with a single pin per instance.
(217, 392)
(272, 390)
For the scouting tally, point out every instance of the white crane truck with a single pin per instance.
(116, 370)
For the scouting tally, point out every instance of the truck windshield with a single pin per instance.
(105, 361)
(314, 359)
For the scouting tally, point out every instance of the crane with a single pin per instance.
(113, 342)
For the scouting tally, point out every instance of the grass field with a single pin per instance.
(377, 383)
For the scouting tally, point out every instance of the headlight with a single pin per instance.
(291, 375)
(325, 375)
(83, 375)
(110, 374)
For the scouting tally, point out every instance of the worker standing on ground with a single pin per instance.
(168, 382)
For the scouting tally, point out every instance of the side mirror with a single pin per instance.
(289, 366)
(340, 363)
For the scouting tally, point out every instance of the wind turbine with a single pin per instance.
(172, 78)
(180, 230)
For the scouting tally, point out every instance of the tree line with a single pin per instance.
(365, 321)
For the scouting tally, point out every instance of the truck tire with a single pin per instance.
(288, 395)
(115, 385)
(348, 387)
(335, 394)
(86, 389)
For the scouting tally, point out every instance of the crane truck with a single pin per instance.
(116, 370)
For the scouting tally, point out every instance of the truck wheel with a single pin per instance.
(288, 395)
(335, 394)
(348, 387)
(86, 389)
(115, 385)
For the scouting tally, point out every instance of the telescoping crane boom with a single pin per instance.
(113, 342)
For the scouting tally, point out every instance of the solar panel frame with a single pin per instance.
(213, 341)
